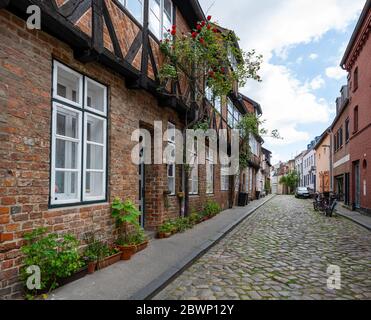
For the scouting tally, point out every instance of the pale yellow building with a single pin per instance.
(323, 160)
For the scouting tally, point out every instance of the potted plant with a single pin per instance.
(194, 218)
(91, 260)
(165, 231)
(141, 240)
(127, 218)
(110, 257)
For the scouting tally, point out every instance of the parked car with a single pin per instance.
(302, 192)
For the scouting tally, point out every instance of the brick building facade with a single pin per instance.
(62, 93)
(351, 130)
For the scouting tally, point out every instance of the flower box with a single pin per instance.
(142, 246)
(73, 277)
(106, 262)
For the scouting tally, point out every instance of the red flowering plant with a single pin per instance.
(207, 56)
(204, 56)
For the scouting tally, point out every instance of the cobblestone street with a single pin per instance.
(281, 252)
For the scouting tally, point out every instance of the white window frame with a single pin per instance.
(231, 114)
(125, 4)
(216, 101)
(57, 65)
(102, 113)
(194, 176)
(55, 136)
(162, 30)
(224, 178)
(87, 198)
(171, 142)
(209, 171)
(61, 103)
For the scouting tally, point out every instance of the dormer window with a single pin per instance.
(160, 17)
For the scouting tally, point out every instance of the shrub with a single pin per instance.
(182, 224)
(195, 218)
(211, 209)
(166, 227)
(56, 257)
(136, 237)
(127, 213)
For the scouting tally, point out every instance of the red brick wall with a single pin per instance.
(360, 144)
(25, 120)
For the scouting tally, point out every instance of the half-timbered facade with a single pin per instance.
(71, 95)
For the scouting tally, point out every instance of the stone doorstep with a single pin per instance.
(153, 288)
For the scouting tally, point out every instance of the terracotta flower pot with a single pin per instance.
(109, 261)
(127, 251)
(142, 246)
(92, 266)
(164, 235)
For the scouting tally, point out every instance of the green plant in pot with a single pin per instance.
(165, 230)
(127, 219)
(94, 252)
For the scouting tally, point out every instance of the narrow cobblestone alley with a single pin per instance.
(281, 252)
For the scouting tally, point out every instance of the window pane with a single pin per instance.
(170, 170)
(66, 154)
(218, 104)
(154, 17)
(135, 7)
(167, 17)
(171, 184)
(68, 85)
(96, 96)
(94, 157)
(67, 124)
(66, 185)
(95, 130)
(94, 184)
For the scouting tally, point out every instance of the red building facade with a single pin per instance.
(357, 61)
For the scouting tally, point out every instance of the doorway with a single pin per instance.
(357, 186)
(141, 179)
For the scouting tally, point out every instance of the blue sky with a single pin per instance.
(302, 42)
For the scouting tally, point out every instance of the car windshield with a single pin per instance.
(302, 189)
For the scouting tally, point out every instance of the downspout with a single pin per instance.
(331, 162)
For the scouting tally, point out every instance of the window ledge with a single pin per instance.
(77, 206)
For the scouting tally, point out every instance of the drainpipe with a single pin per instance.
(331, 163)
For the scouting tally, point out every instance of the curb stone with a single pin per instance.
(153, 288)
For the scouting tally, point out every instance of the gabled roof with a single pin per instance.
(362, 19)
(191, 11)
(256, 105)
(322, 138)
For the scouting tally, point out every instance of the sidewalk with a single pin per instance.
(355, 216)
(153, 268)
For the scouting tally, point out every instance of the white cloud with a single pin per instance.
(274, 27)
(335, 73)
(287, 103)
(317, 83)
(299, 60)
(313, 56)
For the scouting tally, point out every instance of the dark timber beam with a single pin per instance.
(112, 32)
(146, 43)
(4, 3)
